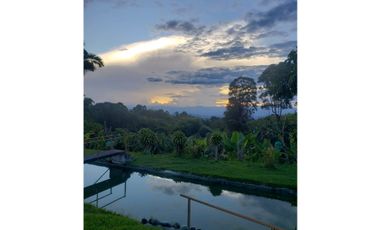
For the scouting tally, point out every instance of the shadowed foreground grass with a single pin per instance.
(282, 176)
(88, 152)
(100, 219)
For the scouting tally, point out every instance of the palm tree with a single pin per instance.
(179, 140)
(91, 61)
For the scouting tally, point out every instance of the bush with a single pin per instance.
(132, 142)
(165, 144)
(196, 147)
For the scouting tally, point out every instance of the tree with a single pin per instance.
(280, 84)
(216, 140)
(179, 140)
(241, 103)
(292, 62)
(91, 61)
(280, 87)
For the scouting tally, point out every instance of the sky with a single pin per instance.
(183, 53)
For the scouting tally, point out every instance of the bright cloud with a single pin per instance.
(224, 90)
(133, 52)
(162, 100)
(221, 102)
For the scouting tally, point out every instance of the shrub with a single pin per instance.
(165, 144)
(132, 142)
(196, 147)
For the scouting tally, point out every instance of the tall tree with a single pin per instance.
(292, 62)
(280, 84)
(91, 61)
(280, 87)
(241, 103)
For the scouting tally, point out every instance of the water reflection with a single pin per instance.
(142, 195)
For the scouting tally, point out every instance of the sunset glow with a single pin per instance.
(161, 100)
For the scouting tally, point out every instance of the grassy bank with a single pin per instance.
(88, 152)
(100, 219)
(282, 176)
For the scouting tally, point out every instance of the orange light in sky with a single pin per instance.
(161, 100)
(221, 102)
(224, 90)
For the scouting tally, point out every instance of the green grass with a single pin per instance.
(100, 219)
(282, 176)
(88, 152)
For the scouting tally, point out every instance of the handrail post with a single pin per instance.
(188, 212)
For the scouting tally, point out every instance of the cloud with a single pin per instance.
(239, 51)
(115, 3)
(154, 79)
(273, 33)
(212, 76)
(162, 100)
(282, 13)
(180, 26)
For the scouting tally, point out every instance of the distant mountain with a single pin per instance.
(209, 111)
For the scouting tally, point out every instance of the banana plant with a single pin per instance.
(216, 140)
(254, 146)
(239, 143)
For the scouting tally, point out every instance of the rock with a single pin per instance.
(165, 224)
(153, 222)
(176, 225)
(144, 221)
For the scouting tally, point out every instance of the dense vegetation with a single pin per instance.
(270, 141)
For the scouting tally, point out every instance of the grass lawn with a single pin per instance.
(88, 152)
(100, 219)
(282, 176)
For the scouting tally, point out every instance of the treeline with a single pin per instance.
(106, 117)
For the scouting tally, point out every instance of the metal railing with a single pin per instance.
(189, 199)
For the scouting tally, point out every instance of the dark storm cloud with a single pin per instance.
(238, 51)
(154, 79)
(283, 48)
(281, 13)
(213, 76)
(180, 26)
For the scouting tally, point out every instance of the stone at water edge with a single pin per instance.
(176, 225)
(153, 222)
(144, 221)
(165, 224)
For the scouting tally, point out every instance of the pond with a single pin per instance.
(139, 195)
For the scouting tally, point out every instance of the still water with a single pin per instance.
(148, 196)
